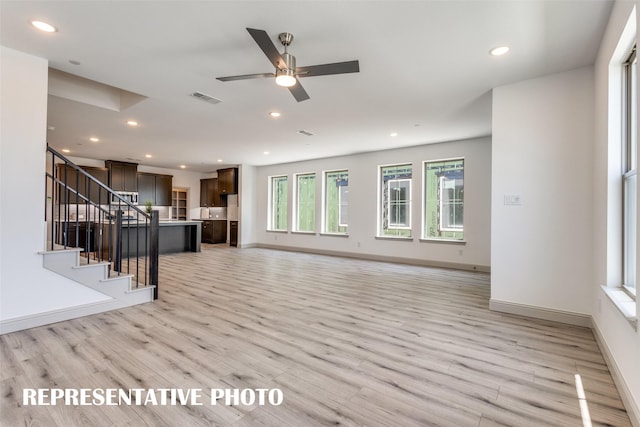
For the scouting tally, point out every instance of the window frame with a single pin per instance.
(271, 226)
(340, 208)
(407, 203)
(427, 206)
(405, 232)
(312, 204)
(629, 172)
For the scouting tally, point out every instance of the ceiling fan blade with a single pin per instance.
(327, 69)
(298, 92)
(264, 42)
(245, 77)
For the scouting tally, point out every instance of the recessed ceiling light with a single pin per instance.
(132, 123)
(43, 26)
(94, 139)
(148, 156)
(274, 114)
(183, 166)
(219, 160)
(266, 153)
(499, 51)
(393, 134)
(66, 150)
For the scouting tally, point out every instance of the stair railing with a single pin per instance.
(82, 212)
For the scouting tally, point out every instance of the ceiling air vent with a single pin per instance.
(207, 98)
(305, 132)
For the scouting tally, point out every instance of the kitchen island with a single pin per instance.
(174, 236)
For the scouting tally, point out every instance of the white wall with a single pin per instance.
(247, 195)
(363, 189)
(542, 152)
(621, 340)
(26, 288)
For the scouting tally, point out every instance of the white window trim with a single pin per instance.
(323, 218)
(395, 226)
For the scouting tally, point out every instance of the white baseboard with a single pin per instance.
(561, 316)
(54, 316)
(631, 405)
(381, 258)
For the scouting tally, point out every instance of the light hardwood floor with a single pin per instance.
(349, 342)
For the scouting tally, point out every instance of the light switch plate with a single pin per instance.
(512, 200)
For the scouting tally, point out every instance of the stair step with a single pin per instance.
(71, 263)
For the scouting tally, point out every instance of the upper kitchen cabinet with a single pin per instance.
(210, 194)
(228, 181)
(78, 183)
(123, 176)
(73, 184)
(97, 194)
(154, 187)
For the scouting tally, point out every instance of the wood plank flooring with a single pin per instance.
(349, 342)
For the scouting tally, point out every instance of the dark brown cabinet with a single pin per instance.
(123, 176)
(233, 233)
(154, 187)
(79, 187)
(210, 194)
(70, 186)
(76, 235)
(164, 185)
(97, 194)
(214, 231)
(228, 181)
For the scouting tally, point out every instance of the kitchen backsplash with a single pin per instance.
(79, 212)
(212, 213)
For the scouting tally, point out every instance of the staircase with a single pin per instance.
(97, 237)
(97, 276)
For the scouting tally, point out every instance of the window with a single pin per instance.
(395, 206)
(629, 169)
(278, 198)
(444, 200)
(336, 201)
(306, 202)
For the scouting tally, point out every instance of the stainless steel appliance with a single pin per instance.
(129, 196)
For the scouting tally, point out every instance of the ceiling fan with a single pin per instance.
(286, 72)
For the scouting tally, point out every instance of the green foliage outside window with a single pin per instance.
(444, 200)
(336, 202)
(306, 202)
(279, 190)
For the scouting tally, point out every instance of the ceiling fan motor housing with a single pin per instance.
(289, 62)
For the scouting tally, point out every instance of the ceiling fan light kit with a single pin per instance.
(286, 73)
(285, 78)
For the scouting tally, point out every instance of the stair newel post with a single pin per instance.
(154, 235)
(117, 264)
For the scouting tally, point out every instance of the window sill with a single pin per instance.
(311, 233)
(455, 242)
(624, 303)
(278, 231)
(407, 239)
(335, 234)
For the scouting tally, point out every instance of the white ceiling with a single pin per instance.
(425, 72)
